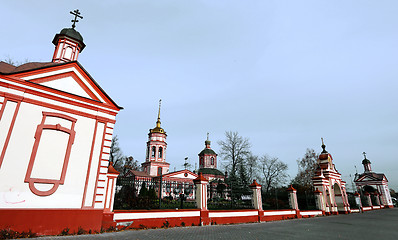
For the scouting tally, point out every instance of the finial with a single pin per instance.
(207, 142)
(160, 104)
(323, 147)
(76, 13)
(158, 121)
(364, 154)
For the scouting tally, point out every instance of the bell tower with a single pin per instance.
(155, 163)
(207, 157)
(68, 43)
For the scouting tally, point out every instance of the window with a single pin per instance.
(153, 151)
(160, 152)
(212, 161)
(56, 132)
(201, 161)
(159, 171)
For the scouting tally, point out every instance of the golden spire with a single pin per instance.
(158, 129)
(158, 121)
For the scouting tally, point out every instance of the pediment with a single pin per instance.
(182, 174)
(69, 78)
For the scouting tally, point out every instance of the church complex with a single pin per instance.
(156, 167)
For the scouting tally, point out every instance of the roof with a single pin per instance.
(212, 171)
(8, 69)
(370, 175)
(207, 151)
(365, 161)
(139, 173)
(71, 33)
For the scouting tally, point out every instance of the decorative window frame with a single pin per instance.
(39, 130)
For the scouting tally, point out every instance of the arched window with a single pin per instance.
(153, 151)
(201, 161)
(160, 152)
(212, 161)
(159, 171)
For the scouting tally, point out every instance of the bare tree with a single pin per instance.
(11, 61)
(234, 149)
(306, 169)
(252, 167)
(116, 154)
(273, 171)
(130, 164)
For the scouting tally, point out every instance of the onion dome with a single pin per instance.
(365, 161)
(324, 154)
(72, 34)
(207, 150)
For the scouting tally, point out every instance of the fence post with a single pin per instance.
(257, 201)
(320, 205)
(358, 200)
(107, 219)
(201, 198)
(293, 200)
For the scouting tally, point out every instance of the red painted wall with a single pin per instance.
(50, 221)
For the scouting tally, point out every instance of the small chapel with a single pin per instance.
(56, 126)
(373, 187)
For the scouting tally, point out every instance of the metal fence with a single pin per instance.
(153, 193)
(223, 197)
(157, 193)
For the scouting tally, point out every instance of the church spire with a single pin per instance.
(158, 121)
(158, 129)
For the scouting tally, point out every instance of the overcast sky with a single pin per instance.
(281, 73)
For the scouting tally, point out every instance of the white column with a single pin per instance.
(256, 198)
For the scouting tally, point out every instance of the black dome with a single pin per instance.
(71, 33)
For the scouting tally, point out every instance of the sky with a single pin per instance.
(281, 73)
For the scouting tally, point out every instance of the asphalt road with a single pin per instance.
(375, 225)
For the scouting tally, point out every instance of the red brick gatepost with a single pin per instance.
(320, 205)
(201, 198)
(107, 218)
(293, 200)
(257, 201)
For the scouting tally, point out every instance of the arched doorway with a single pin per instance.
(338, 197)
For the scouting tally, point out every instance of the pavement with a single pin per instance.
(375, 225)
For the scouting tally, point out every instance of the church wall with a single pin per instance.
(69, 191)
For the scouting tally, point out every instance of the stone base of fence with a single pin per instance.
(142, 219)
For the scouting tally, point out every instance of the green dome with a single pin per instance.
(71, 33)
(207, 151)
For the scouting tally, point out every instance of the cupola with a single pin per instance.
(366, 163)
(68, 43)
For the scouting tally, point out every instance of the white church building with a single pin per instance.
(56, 126)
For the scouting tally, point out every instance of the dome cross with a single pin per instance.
(76, 13)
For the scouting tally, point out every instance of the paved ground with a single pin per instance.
(375, 225)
